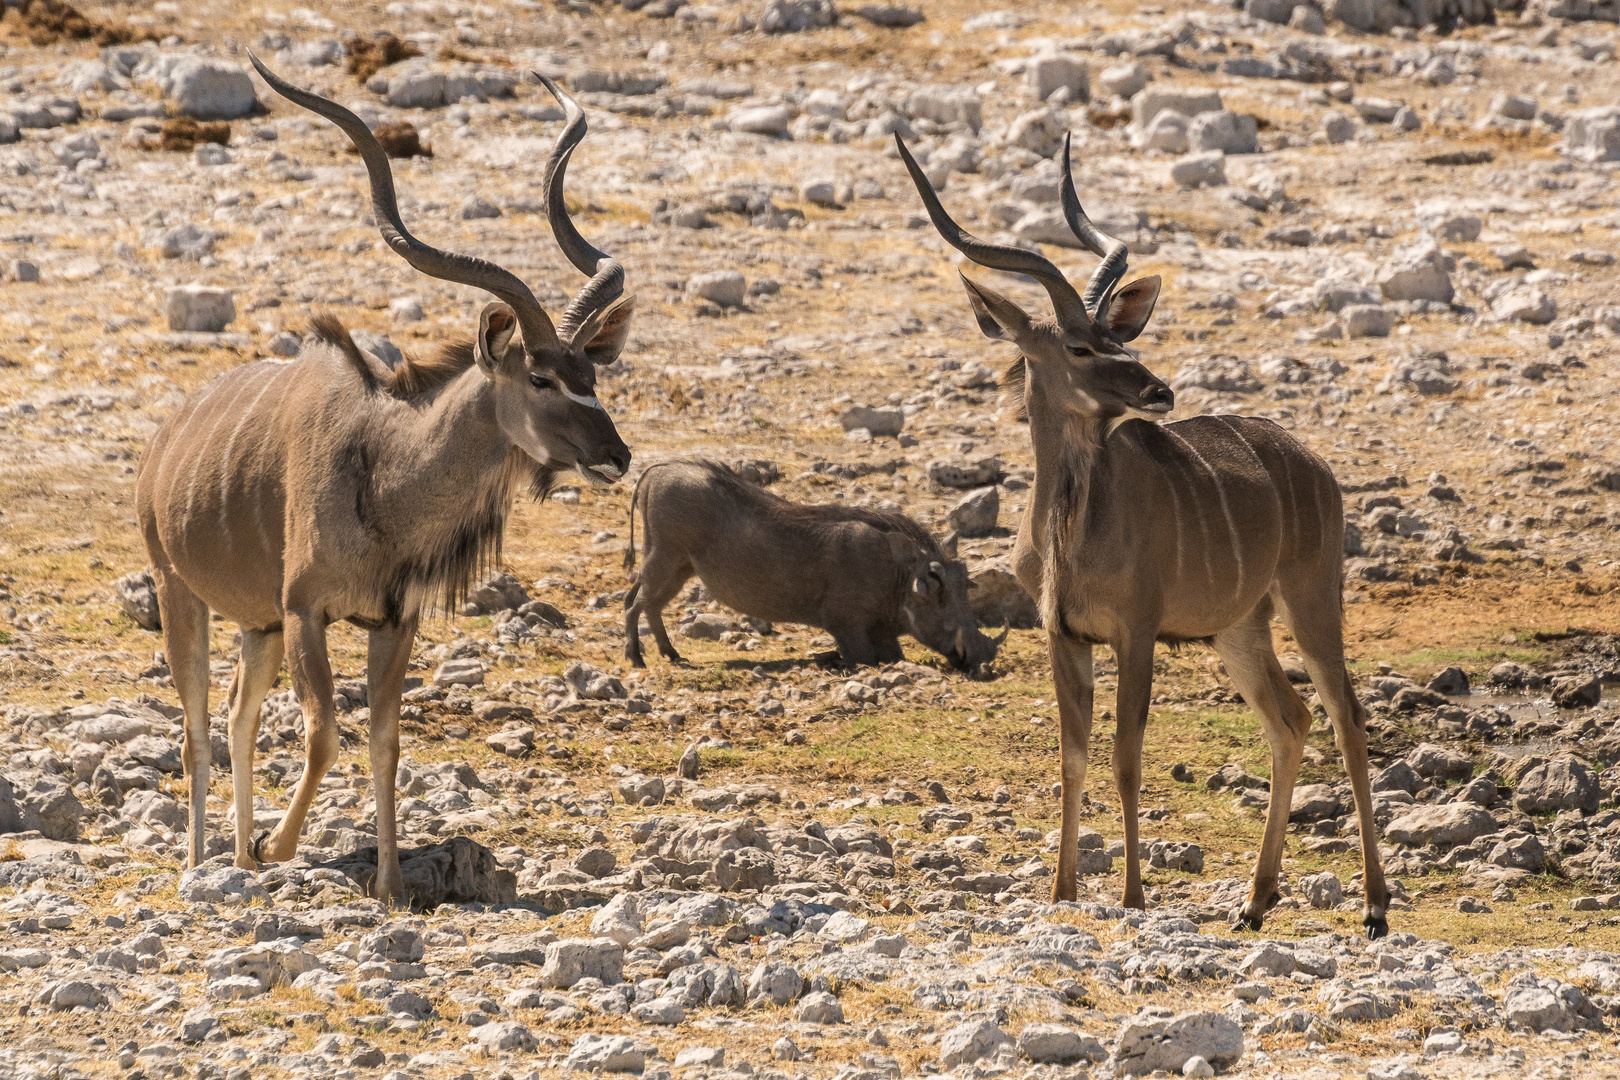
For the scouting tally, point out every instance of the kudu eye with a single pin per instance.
(542, 382)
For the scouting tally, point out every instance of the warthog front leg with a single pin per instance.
(855, 645)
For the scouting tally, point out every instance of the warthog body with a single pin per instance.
(863, 576)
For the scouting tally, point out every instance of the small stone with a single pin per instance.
(1124, 80)
(465, 672)
(499, 1035)
(976, 513)
(199, 308)
(406, 309)
(970, 1042)
(1366, 320)
(1338, 128)
(819, 1008)
(728, 288)
(882, 423)
(820, 193)
(771, 120)
(208, 89)
(1199, 170)
(1055, 1044)
(1048, 73)
(477, 207)
(1582, 692)
(1452, 681)
(605, 1053)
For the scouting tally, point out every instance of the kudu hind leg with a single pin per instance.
(1322, 647)
(255, 674)
(312, 682)
(185, 645)
(1252, 665)
(1075, 687)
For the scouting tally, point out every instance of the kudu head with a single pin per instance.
(543, 375)
(939, 615)
(1075, 360)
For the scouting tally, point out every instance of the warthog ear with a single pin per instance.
(1130, 308)
(930, 582)
(999, 317)
(496, 326)
(605, 333)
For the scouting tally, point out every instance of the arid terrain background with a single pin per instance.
(1391, 229)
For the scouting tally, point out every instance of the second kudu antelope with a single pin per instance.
(1142, 532)
(289, 496)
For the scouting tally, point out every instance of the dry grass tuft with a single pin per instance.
(47, 22)
(400, 140)
(367, 57)
(182, 133)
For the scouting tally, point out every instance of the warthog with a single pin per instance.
(863, 576)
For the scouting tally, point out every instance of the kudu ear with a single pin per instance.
(496, 326)
(999, 317)
(605, 333)
(948, 545)
(1130, 308)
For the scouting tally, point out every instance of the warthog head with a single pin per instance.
(938, 613)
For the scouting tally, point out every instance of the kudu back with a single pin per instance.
(289, 496)
(864, 576)
(1140, 532)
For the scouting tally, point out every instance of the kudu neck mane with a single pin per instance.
(414, 377)
(437, 565)
(1068, 449)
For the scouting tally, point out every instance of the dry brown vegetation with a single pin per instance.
(47, 22)
(369, 55)
(182, 133)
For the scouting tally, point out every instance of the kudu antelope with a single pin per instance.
(289, 496)
(864, 576)
(1142, 532)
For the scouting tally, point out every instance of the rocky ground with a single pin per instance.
(1390, 228)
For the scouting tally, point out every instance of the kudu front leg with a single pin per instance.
(312, 682)
(255, 675)
(1075, 688)
(387, 661)
(1135, 659)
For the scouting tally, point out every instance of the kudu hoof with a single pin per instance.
(1377, 924)
(1245, 921)
(258, 846)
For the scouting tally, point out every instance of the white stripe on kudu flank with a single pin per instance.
(1175, 513)
(225, 473)
(1231, 422)
(1226, 510)
(201, 449)
(1291, 519)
